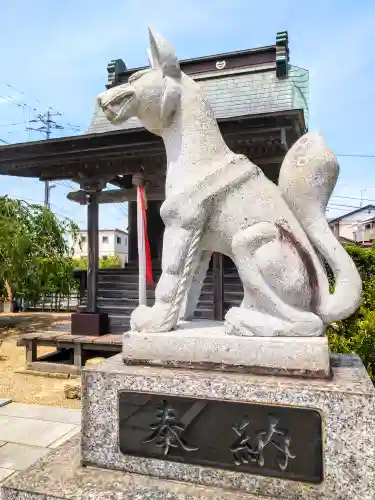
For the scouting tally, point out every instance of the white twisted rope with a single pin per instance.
(181, 291)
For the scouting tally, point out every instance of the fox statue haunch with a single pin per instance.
(218, 201)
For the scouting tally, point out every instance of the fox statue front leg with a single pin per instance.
(174, 284)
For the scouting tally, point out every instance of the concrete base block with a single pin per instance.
(205, 345)
(346, 405)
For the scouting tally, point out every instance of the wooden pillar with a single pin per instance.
(93, 251)
(218, 286)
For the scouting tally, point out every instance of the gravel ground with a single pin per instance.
(24, 388)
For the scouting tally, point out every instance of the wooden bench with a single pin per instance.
(65, 343)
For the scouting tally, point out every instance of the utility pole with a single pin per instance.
(362, 191)
(47, 124)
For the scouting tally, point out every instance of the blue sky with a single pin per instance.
(56, 53)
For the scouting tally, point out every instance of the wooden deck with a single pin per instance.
(71, 351)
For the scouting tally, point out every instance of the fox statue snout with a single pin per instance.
(152, 95)
(118, 104)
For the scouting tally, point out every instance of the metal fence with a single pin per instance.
(54, 303)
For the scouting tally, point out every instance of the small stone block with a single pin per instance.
(206, 345)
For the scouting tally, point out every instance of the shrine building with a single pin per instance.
(261, 103)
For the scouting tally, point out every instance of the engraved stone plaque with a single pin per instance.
(270, 440)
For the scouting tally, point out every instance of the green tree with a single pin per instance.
(111, 262)
(35, 257)
(357, 333)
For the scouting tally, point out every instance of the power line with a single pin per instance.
(17, 102)
(356, 155)
(10, 124)
(65, 183)
(21, 103)
(353, 198)
(331, 205)
(121, 210)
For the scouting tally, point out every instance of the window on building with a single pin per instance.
(104, 239)
(118, 240)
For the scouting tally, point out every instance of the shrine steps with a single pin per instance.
(118, 297)
(118, 294)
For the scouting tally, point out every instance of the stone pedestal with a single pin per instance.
(322, 433)
(207, 346)
(345, 405)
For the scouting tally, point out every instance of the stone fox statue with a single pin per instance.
(219, 201)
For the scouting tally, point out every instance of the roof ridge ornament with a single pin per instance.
(114, 69)
(282, 54)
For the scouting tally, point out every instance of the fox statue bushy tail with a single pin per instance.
(307, 178)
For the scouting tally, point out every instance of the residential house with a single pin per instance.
(111, 242)
(365, 233)
(348, 227)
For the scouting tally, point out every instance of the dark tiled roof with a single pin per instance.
(337, 219)
(237, 94)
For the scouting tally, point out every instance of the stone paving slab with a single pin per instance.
(20, 456)
(66, 437)
(60, 475)
(4, 473)
(39, 412)
(32, 432)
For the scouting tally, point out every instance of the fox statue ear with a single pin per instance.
(170, 102)
(163, 56)
(153, 64)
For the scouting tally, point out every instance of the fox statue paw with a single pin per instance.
(151, 319)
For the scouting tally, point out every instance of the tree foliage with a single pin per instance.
(357, 333)
(35, 257)
(111, 262)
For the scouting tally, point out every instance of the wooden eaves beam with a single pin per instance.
(115, 195)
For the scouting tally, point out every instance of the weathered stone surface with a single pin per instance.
(217, 201)
(60, 476)
(346, 403)
(205, 345)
